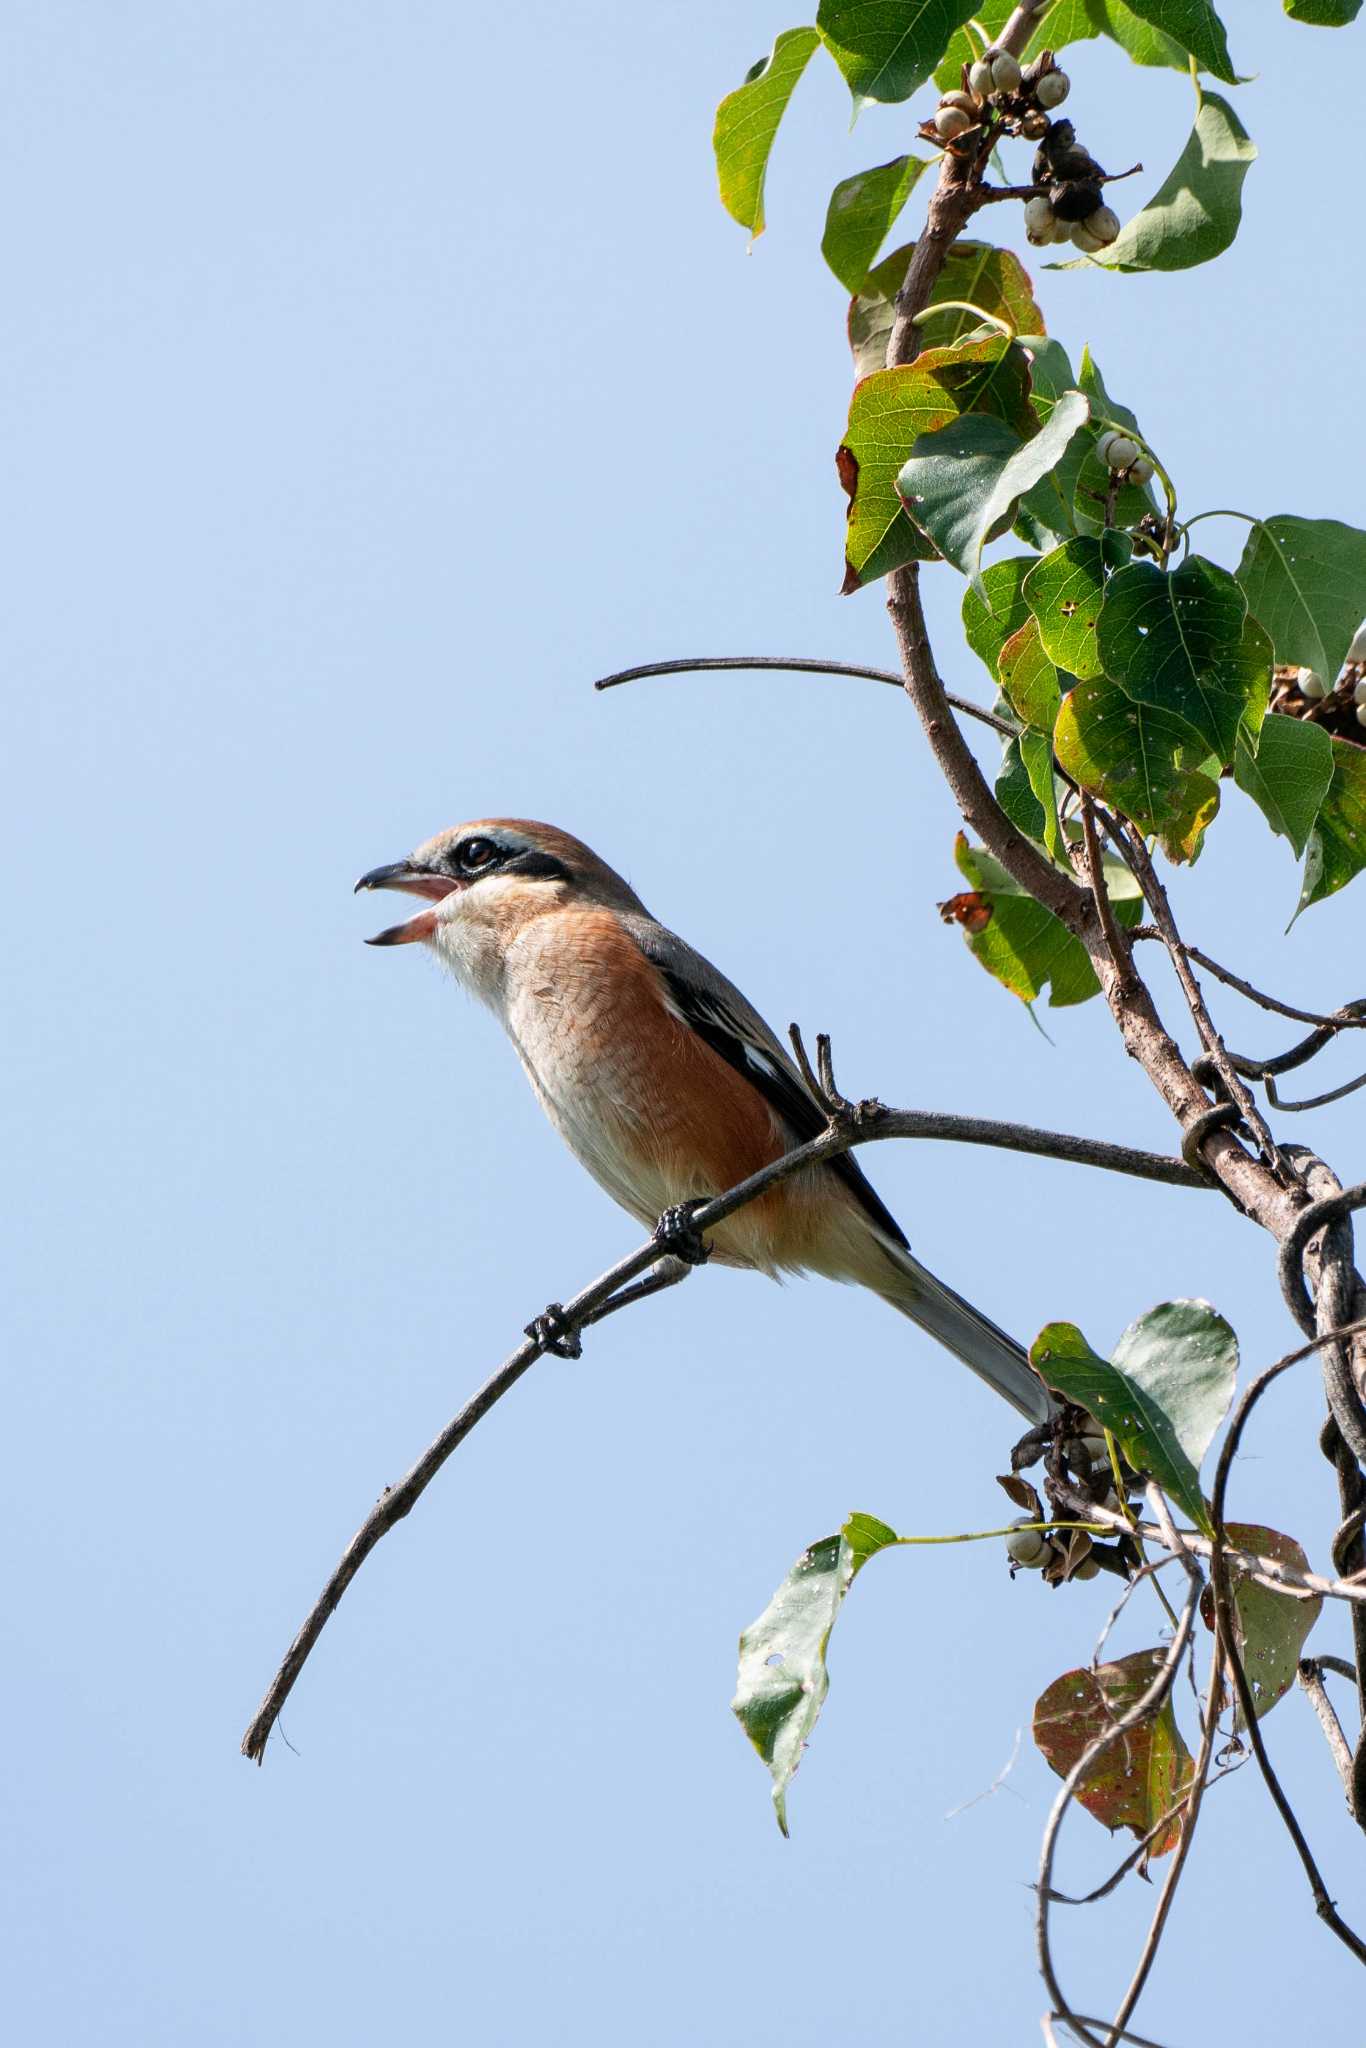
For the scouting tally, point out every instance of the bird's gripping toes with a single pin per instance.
(660, 1077)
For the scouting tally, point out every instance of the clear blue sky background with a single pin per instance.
(376, 376)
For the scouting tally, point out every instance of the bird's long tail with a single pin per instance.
(961, 1329)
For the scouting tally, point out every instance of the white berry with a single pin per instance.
(1027, 1547)
(980, 78)
(1089, 1568)
(1103, 224)
(951, 121)
(1141, 472)
(1311, 683)
(1117, 451)
(1359, 691)
(1005, 71)
(964, 100)
(1039, 214)
(1053, 88)
(1357, 650)
(1361, 712)
(1082, 238)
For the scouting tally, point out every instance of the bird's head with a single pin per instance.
(483, 881)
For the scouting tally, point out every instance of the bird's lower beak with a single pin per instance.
(413, 880)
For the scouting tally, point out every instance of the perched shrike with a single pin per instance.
(660, 1077)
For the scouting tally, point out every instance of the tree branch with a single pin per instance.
(614, 1290)
(808, 665)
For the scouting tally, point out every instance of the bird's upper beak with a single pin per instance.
(414, 880)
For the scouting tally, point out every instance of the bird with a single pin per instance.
(663, 1080)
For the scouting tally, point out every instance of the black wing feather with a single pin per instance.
(782, 1088)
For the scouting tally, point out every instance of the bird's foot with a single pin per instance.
(677, 1234)
(552, 1330)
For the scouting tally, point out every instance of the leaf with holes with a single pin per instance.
(1147, 763)
(1272, 1627)
(1182, 643)
(1163, 1394)
(747, 122)
(1305, 579)
(1195, 213)
(1064, 592)
(994, 608)
(888, 48)
(1144, 1772)
(972, 272)
(961, 484)
(782, 1678)
(887, 414)
(1337, 843)
(1288, 775)
(1029, 678)
(861, 211)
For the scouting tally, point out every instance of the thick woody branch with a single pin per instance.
(622, 1285)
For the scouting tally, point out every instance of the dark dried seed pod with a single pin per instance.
(1074, 202)
(1033, 124)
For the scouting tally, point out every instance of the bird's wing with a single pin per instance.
(715, 1009)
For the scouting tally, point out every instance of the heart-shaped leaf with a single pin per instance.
(961, 483)
(1181, 643)
(1272, 1627)
(1147, 763)
(1064, 592)
(1143, 1774)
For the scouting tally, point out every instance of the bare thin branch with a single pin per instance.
(622, 1284)
(798, 665)
(1309, 1672)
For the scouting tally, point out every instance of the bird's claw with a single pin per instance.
(677, 1234)
(554, 1333)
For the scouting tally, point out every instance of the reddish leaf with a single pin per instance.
(1142, 1774)
(970, 909)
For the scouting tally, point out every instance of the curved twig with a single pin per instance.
(798, 665)
(621, 1285)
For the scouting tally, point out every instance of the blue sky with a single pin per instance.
(376, 377)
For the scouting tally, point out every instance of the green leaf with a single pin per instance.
(1194, 214)
(961, 482)
(1029, 678)
(888, 48)
(1196, 27)
(1014, 937)
(1337, 844)
(1271, 1627)
(1305, 579)
(888, 412)
(1025, 791)
(1182, 642)
(747, 121)
(994, 608)
(782, 1678)
(1162, 1395)
(1288, 775)
(994, 279)
(1147, 763)
(1323, 13)
(1144, 1772)
(1143, 43)
(861, 211)
(1064, 592)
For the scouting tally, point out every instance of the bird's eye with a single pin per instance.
(473, 855)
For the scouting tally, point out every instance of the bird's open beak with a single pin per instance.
(413, 880)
